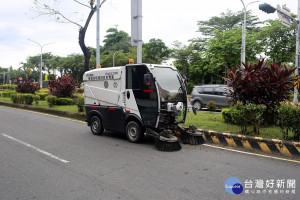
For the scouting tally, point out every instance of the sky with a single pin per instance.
(168, 20)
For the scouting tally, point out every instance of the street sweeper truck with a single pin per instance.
(139, 100)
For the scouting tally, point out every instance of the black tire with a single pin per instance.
(197, 105)
(134, 132)
(96, 126)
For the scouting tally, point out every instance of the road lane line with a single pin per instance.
(254, 154)
(35, 148)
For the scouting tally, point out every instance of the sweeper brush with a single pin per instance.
(167, 144)
(164, 141)
(191, 135)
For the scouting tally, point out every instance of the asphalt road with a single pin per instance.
(44, 157)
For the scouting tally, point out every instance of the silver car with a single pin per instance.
(201, 95)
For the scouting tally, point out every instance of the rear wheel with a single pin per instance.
(96, 126)
(197, 105)
(134, 132)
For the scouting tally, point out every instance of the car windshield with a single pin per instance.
(168, 83)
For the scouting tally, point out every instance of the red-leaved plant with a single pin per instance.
(62, 87)
(27, 86)
(260, 83)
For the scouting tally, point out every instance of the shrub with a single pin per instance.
(8, 87)
(42, 95)
(254, 114)
(51, 100)
(64, 101)
(27, 87)
(79, 101)
(44, 90)
(211, 106)
(36, 99)
(8, 93)
(15, 98)
(28, 98)
(22, 98)
(239, 117)
(226, 115)
(62, 87)
(245, 115)
(74, 96)
(289, 119)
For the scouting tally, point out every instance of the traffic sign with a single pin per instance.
(284, 15)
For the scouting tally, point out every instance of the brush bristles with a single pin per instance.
(167, 146)
(192, 139)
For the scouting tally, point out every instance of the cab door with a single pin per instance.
(141, 97)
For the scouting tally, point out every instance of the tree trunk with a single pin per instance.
(85, 50)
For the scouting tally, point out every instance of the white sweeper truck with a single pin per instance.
(138, 100)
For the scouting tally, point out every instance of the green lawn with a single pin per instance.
(203, 120)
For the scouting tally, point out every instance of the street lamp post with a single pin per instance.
(114, 56)
(40, 68)
(243, 53)
(98, 35)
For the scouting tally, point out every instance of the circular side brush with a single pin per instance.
(167, 144)
(192, 138)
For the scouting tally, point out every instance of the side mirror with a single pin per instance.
(148, 79)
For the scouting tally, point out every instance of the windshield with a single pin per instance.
(168, 84)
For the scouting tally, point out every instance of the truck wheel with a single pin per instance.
(134, 132)
(197, 105)
(96, 126)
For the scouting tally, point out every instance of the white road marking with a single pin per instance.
(35, 148)
(253, 154)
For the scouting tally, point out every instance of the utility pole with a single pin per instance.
(286, 19)
(98, 35)
(98, 32)
(136, 27)
(40, 67)
(244, 31)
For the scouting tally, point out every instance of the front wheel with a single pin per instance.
(134, 132)
(96, 126)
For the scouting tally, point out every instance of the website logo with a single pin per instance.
(233, 186)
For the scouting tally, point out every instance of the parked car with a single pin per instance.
(201, 95)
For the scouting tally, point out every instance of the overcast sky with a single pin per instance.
(168, 20)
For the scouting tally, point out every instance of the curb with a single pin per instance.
(270, 146)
